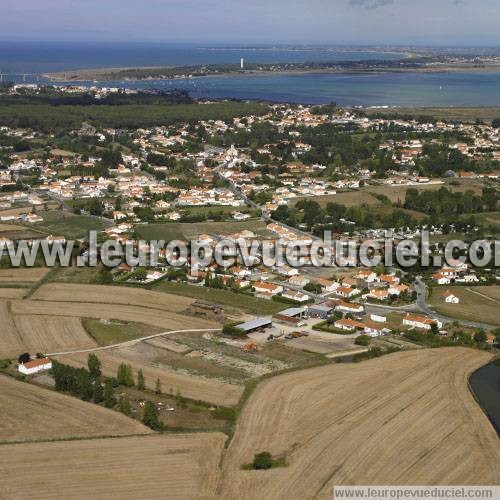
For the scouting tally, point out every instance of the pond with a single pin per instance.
(485, 385)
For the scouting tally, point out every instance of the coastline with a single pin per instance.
(101, 75)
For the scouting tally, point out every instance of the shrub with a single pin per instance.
(262, 461)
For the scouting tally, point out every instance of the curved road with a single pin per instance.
(425, 308)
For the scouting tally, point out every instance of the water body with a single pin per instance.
(485, 384)
(381, 89)
(29, 57)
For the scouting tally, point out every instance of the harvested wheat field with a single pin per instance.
(52, 334)
(10, 342)
(31, 413)
(112, 295)
(145, 467)
(193, 387)
(12, 293)
(23, 275)
(155, 317)
(405, 418)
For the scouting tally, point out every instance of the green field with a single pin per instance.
(476, 303)
(395, 193)
(239, 302)
(59, 223)
(114, 332)
(188, 231)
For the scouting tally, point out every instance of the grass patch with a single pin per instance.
(114, 332)
(70, 226)
(474, 303)
(238, 301)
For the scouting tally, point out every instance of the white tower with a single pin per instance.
(242, 63)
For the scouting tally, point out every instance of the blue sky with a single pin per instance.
(403, 22)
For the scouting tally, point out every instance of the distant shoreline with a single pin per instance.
(101, 75)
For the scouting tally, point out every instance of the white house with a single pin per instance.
(346, 292)
(441, 279)
(378, 319)
(299, 280)
(367, 275)
(35, 366)
(347, 307)
(328, 285)
(267, 288)
(421, 322)
(296, 296)
(450, 298)
(374, 330)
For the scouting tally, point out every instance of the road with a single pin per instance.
(132, 342)
(423, 307)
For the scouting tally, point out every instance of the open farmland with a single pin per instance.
(155, 317)
(144, 467)
(50, 334)
(395, 193)
(475, 302)
(405, 418)
(193, 387)
(12, 293)
(66, 224)
(188, 231)
(112, 295)
(31, 413)
(10, 342)
(23, 275)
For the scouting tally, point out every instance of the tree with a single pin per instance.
(125, 406)
(124, 375)
(109, 394)
(434, 329)
(104, 276)
(140, 380)
(363, 340)
(262, 461)
(480, 337)
(24, 358)
(158, 386)
(151, 416)
(141, 274)
(94, 365)
(98, 391)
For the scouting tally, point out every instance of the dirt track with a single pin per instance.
(34, 413)
(145, 467)
(405, 418)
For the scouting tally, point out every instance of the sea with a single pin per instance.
(28, 61)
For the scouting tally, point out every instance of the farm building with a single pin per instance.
(319, 311)
(256, 324)
(35, 366)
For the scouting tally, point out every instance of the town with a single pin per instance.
(178, 347)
